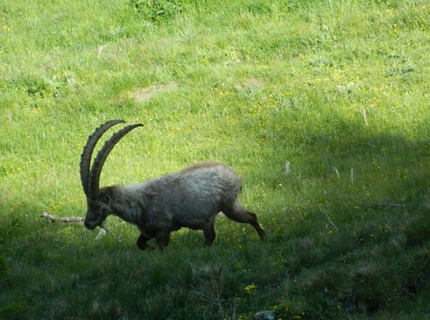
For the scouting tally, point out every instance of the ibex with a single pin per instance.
(189, 198)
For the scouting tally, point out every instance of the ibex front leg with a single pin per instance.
(162, 238)
(209, 235)
(142, 241)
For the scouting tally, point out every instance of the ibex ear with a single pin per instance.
(106, 199)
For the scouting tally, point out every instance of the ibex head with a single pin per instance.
(98, 200)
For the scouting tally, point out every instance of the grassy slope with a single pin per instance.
(337, 88)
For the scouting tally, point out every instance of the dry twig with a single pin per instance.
(52, 218)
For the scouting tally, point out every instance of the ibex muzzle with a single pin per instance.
(189, 198)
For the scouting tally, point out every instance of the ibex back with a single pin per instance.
(189, 198)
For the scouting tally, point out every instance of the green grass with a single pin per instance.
(337, 88)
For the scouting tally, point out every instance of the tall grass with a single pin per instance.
(338, 89)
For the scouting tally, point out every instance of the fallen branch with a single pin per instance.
(51, 218)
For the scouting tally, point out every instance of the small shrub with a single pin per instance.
(157, 10)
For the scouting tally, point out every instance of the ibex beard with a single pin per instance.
(189, 198)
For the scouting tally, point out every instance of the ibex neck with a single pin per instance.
(128, 204)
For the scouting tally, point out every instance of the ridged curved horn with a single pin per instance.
(101, 158)
(88, 151)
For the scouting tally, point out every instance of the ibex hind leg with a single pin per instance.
(209, 235)
(238, 213)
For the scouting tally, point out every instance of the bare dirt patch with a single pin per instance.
(146, 94)
(253, 83)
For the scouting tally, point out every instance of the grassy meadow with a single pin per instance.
(321, 105)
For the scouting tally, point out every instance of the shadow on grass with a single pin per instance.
(357, 240)
(353, 239)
